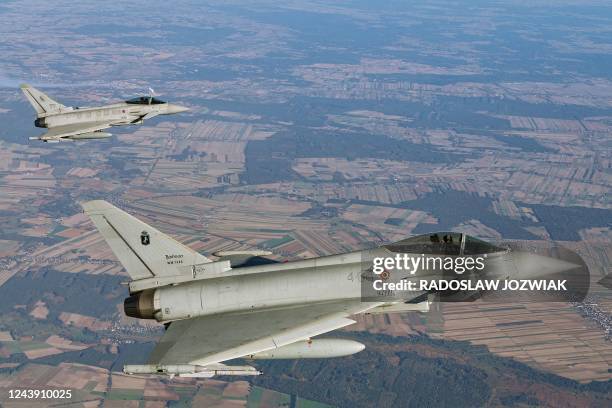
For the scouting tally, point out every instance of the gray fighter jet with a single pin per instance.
(69, 124)
(242, 306)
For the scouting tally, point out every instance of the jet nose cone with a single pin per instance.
(531, 265)
(176, 108)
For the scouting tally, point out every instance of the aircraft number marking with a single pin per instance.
(174, 259)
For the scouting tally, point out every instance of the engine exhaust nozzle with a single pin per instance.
(140, 305)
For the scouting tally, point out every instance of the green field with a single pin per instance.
(124, 394)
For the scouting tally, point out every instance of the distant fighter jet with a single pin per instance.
(67, 123)
(241, 307)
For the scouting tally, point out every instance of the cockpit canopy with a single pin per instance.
(144, 100)
(443, 243)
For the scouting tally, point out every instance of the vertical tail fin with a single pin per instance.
(41, 102)
(143, 251)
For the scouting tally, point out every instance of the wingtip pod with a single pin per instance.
(24, 86)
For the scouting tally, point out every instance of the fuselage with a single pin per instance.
(115, 114)
(316, 280)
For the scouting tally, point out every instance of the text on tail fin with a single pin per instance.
(42, 103)
(142, 250)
